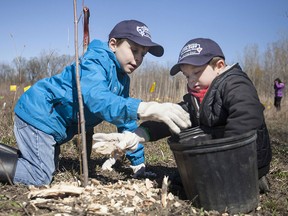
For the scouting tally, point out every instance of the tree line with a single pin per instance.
(262, 68)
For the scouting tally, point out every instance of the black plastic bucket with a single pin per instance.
(219, 174)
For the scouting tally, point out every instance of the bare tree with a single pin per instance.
(275, 61)
(7, 73)
(34, 70)
(52, 63)
(20, 64)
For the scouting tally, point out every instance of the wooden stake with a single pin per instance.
(86, 36)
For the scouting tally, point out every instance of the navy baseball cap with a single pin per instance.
(137, 32)
(197, 52)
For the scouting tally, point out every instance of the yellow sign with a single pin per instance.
(26, 88)
(152, 88)
(13, 88)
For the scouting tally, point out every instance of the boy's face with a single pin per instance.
(129, 54)
(198, 77)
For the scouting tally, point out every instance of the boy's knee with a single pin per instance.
(29, 175)
(43, 177)
(36, 181)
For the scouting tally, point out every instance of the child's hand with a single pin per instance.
(171, 114)
(108, 143)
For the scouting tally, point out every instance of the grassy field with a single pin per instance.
(159, 159)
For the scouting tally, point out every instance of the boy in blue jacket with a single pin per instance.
(46, 115)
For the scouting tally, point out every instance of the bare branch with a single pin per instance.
(81, 109)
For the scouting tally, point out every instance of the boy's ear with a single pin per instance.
(220, 64)
(112, 44)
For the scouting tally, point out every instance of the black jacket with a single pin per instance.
(230, 107)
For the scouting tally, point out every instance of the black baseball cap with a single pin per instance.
(197, 52)
(137, 32)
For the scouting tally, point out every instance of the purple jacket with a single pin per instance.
(279, 89)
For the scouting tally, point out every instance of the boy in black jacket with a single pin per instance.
(222, 100)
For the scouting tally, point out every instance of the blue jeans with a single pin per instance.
(36, 164)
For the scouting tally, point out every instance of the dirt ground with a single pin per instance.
(14, 199)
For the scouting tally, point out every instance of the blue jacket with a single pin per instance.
(51, 104)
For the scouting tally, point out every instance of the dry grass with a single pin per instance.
(159, 158)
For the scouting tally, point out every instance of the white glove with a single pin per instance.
(171, 114)
(102, 147)
(107, 165)
(126, 141)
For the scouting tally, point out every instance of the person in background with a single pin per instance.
(46, 115)
(278, 87)
(221, 100)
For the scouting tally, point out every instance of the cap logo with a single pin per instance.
(190, 49)
(143, 31)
